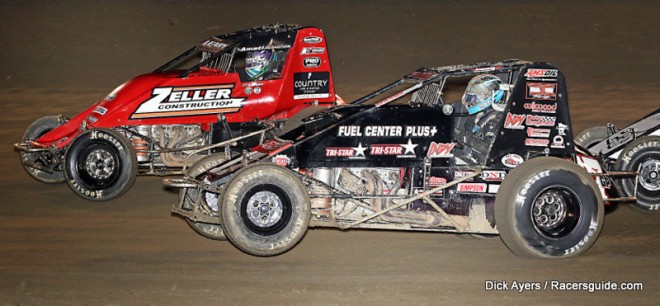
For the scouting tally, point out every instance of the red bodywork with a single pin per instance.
(274, 100)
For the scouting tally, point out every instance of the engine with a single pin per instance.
(170, 140)
(372, 190)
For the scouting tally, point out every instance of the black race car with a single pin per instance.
(484, 149)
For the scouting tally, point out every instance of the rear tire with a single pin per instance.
(265, 210)
(643, 154)
(592, 136)
(100, 164)
(549, 208)
(37, 129)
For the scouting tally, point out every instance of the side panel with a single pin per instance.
(536, 119)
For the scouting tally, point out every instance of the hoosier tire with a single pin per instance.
(209, 200)
(549, 208)
(265, 210)
(591, 136)
(642, 154)
(100, 164)
(37, 129)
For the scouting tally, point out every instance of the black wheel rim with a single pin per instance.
(555, 212)
(266, 209)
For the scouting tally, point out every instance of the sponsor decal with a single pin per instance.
(418, 75)
(472, 187)
(541, 91)
(354, 152)
(514, 121)
(281, 160)
(435, 181)
(440, 150)
(458, 174)
(536, 142)
(248, 90)
(400, 150)
(339, 152)
(386, 149)
(386, 131)
(541, 107)
(92, 119)
(267, 47)
(312, 50)
(561, 129)
(541, 73)
(100, 110)
(558, 142)
(541, 133)
(188, 101)
(257, 90)
(312, 40)
(311, 85)
(493, 176)
(492, 188)
(486, 69)
(535, 120)
(212, 45)
(311, 62)
(447, 109)
(512, 160)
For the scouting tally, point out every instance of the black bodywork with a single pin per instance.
(410, 137)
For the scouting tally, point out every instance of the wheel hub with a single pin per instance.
(264, 208)
(549, 210)
(649, 175)
(99, 164)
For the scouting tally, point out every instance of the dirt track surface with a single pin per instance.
(56, 248)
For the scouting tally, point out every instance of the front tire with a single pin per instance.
(37, 129)
(209, 200)
(549, 208)
(265, 210)
(643, 154)
(100, 165)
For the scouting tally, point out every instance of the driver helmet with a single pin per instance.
(481, 92)
(258, 62)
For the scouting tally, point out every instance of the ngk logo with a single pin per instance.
(437, 150)
(514, 121)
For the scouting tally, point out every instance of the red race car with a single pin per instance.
(223, 95)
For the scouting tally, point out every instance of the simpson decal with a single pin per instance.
(514, 121)
(472, 187)
(541, 73)
(541, 107)
(542, 91)
(311, 85)
(440, 150)
(534, 120)
(312, 62)
(312, 40)
(188, 101)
